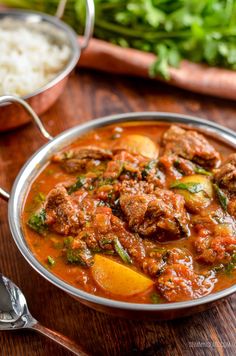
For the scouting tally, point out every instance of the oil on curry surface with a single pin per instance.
(138, 212)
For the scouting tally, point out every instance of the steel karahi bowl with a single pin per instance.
(11, 115)
(31, 169)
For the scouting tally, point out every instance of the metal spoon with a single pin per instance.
(14, 314)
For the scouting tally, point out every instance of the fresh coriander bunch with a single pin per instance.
(200, 31)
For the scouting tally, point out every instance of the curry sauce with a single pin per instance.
(137, 212)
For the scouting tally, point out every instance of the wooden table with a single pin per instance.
(87, 96)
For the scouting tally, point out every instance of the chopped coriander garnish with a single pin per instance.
(105, 242)
(155, 298)
(191, 187)
(82, 257)
(231, 265)
(228, 268)
(121, 251)
(147, 169)
(68, 241)
(81, 180)
(200, 170)
(129, 174)
(51, 261)
(221, 196)
(37, 221)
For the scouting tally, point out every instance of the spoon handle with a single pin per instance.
(60, 339)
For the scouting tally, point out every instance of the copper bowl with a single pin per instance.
(33, 166)
(12, 115)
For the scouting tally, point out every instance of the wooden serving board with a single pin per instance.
(195, 77)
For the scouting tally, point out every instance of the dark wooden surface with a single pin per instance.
(87, 96)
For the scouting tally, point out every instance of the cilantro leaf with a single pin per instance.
(189, 186)
(201, 170)
(121, 251)
(81, 180)
(37, 222)
(221, 196)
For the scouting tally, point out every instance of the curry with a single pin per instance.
(139, 212)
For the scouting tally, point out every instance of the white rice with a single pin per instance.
(28, 60)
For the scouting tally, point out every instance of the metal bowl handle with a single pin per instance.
(7, 99)
(89, 25)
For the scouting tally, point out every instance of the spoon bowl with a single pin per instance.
(14, 314)
(12, 302)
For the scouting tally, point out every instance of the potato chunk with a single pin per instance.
(117, 279)
(196, 189)
(137, 144)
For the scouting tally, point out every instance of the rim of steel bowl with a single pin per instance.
(34, 165)
(71, 38)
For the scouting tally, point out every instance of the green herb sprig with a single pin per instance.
(80, 182)
(200, 31)
(37, 221)
(51, 261)
(121, 251)
(191, 187)
(221, 197)
(201, 170)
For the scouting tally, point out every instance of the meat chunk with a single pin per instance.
(157, 259)
(153, 174)
(61, 213)
(190, 145)
(131, 242)
(177, 280)
(83, 152)
(104, 228)
(136, 188)
(77, 252)
(226, 174)
(74, 165)
(175, 283)
(135, 208)
(225, 177)
(76, 159)
(215, 249)
(161, 214)
(215, 242)
(176, 166)
(124, 164)
(179, 255)
(178, 283)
